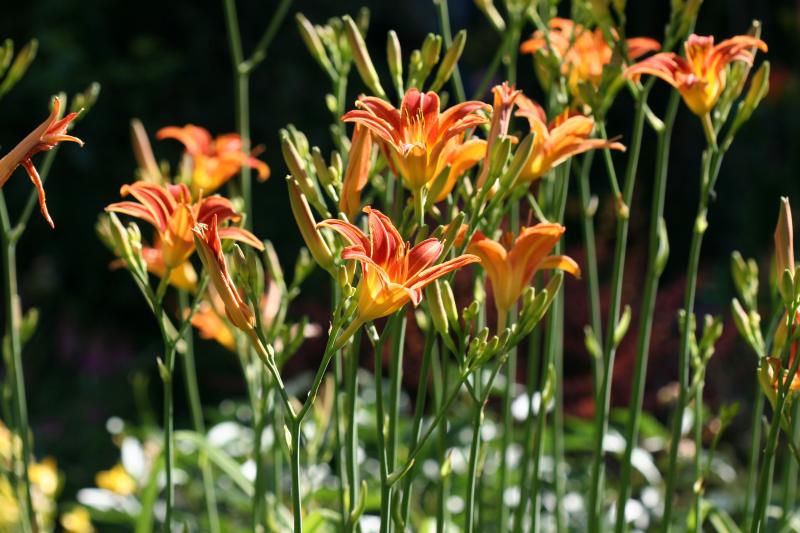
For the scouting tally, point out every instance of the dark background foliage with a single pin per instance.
(168, 63)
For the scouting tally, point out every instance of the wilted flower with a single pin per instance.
(116, 480)
(392, 272)
(415, 135)
(511, 264)
(172, 212)
(700, 76)
(209, 246)
(51, 132)
(581, 52)
(554, 143)
(215, 161)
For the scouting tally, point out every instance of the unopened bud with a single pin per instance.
(308, 227)
(437, 312)
(297, 168)
(450, 60)
(20, 66)
(784, 238)
(314, 44)
(361, 57)
(394, 58)
(495, 19)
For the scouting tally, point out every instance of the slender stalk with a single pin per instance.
(297, 505)
(532, 379)
(169, 454)
(338, 414)
(790, 471)
(768, 463)
(755, 446)
(419, 411)
(698, 449)
(351, 442)
(604, 399)
(196, 411)
(592, 278)
(541, 421)
(684, 355)
(443, 15)
(13, 317)
(441, 493)
(396, 381)
(472, 468)
(508, 391)
(652, 278)
(379, 413)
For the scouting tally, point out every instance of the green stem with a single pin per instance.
(604, 398)
(419, 412)
(13, 317)
(768, 463)
(396, 382)
(652, 278)
(688, 307)
(472, 468)
(443, 14)
(169, 454)
(592, 278)
(790, 471)
(698, 449)
(351, 444)
(196, 411)
(297, 505)
(755, 446)
(532, 379)
(441, 493)
(380, 418)
(338, 413)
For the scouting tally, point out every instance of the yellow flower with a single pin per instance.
(116, 480)
(9, 510)
(77, 520)
(51, 132)
(44, 476)
(700, 76)
(416, 134)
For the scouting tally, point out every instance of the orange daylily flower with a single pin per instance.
(582, 53)
(461, 156)
(45, 137)
(172, 212)
(554, 143)
(357, 172)
(215, 161)
(511, 265)
(209, 248)
(700, 76)
(211, 326)
(392, 272)
(415, 135)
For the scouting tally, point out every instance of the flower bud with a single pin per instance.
(450, 61)
(20, 66)
(321, 168)
(448, 301)
(784, 239)
(662, 253)
(495, 19)
(437, 310)
(273, 264)
(759, 87)
(143, 153)
(361, 57)
(394, 59)
(297, 168)
(308, 227)
(314, 44)
(357, 173)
